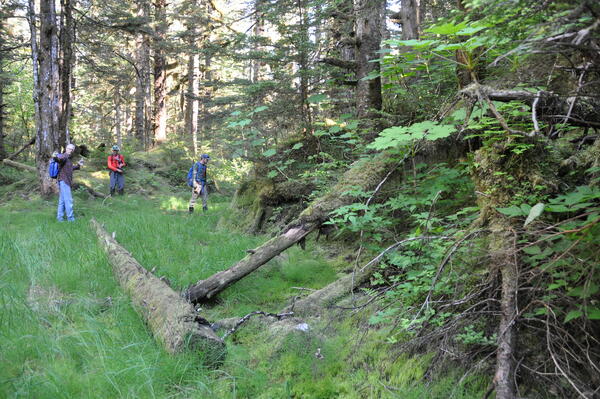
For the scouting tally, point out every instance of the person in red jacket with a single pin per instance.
(116, 163)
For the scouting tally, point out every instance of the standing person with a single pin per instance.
(65, 182)
(116, 163)
(199, 183)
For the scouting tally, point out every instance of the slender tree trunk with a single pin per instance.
(46, 89)
(303, 63)
(191, 95)
(67, 36)
(159, 119)
(204, 120)
(257, 31)
(118, 134)
(2, 106)
(369, 17)
(142, 92)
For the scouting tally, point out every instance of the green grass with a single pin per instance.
(67, 330)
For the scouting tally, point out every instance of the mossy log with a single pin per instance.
(364, 174)
(29, 168)
(328, 295)
(173, 321)
(19, 165)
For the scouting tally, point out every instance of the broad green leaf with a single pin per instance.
(319, 133)
(533, 250)
(471, 30)
(257, 142)
(272, 174)
(261, 108)
(583, 291)
(534, 213)
(447, 28)
(244, 122)
(512, 211)
(593, 313)
(297, 146)
(269, 153)
(573, 314)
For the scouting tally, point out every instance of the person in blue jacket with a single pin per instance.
(199, 183)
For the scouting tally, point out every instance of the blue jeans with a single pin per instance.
(65, 202)
(117, 180)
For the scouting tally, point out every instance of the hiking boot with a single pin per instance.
(121, 191)
(191, 209)
(204, 208)
(112, 192)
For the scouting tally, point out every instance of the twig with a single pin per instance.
(249, 315)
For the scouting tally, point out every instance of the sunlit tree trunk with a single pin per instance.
(2, 105)
(191, 110)
(159, 117)
(369, 17)
(257, 31)
(46, 88)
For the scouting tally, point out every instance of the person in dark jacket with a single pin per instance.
(116, 163)
(65, 182)
(199, 181)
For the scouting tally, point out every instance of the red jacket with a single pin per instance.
(116, 162)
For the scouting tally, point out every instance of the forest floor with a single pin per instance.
(67, 329)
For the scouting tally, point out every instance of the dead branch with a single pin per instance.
(278, 316)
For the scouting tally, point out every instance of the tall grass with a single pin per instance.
(68, 331)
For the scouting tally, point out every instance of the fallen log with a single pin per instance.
(578, 110)
(29, 168)
(364, 175)
(173, 321)
(19, 165)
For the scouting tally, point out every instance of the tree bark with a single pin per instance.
(159, 119)
(46, 89)
(142, 87)
(67, 36)
(369, 17)
(409, 17)
(173, 321)
(364, 174)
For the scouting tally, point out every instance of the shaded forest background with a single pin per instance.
(450, 147)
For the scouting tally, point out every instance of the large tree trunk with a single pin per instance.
(67, 36)
(159, 119)
(409, 17)
(368, 27)
(46, 89)
(365, 174)
(173, 321)
(2, 106)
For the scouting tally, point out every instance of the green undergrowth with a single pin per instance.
(67, 330)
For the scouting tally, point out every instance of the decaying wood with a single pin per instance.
(173, 321)
(549, 106)
(28, 168)
(29, 143)
(328, 295)
(19, 165)
(364, 175)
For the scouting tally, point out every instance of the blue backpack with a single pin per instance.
(190, 176)
(53, 169)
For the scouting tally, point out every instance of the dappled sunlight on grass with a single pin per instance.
(174, 203)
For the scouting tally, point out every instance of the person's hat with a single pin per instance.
(115, 148)
(204, 156)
